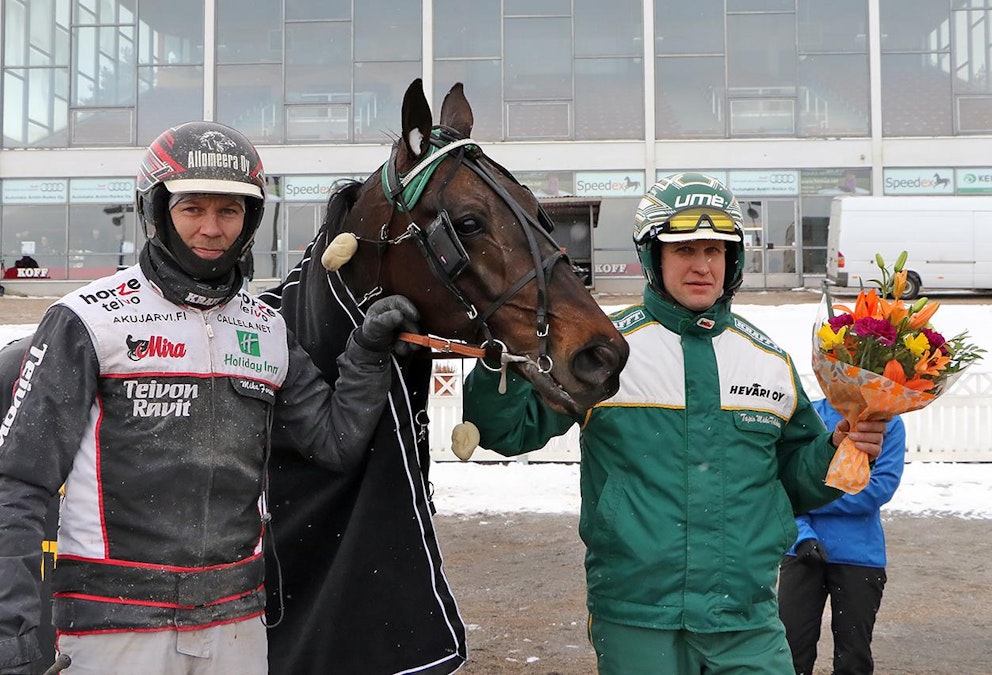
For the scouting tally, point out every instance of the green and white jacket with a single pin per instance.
(691, 474)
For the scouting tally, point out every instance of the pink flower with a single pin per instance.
(936, 340)
(839, 321)
(881, 329)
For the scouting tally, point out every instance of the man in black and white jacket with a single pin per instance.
(151, 395)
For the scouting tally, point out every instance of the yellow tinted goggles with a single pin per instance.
(691, 220)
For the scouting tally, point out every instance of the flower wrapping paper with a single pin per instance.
(858, 395)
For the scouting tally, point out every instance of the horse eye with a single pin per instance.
(468, 227)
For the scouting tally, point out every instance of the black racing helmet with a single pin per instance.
(685, 207)
(207, 158)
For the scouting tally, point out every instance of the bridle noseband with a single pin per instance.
(444, 251)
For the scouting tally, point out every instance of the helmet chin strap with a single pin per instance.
(179, 287)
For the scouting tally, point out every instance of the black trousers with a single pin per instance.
(855, 595)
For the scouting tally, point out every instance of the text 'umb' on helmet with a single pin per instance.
(712, 212)
(207, 158)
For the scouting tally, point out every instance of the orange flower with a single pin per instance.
(920, 319)
(894, 311)
(899, 284)
(894, 371)
(867, 305)
(931, 365)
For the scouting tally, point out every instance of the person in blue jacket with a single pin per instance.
(840, 553)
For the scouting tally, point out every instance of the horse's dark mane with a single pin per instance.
(339, 204)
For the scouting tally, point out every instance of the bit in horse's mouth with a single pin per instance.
(553, 393)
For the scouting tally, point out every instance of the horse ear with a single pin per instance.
(456, 112)
(416, 117)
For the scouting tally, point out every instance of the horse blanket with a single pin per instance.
(355, 578)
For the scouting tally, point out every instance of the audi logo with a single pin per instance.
(121, 186)
(782, 178)
(51, 187)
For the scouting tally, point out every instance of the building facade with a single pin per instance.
(791, 102)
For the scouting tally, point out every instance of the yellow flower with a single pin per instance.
(916, 345)
(829, 339)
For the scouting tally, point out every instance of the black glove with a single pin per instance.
(384, 319)
(811, 552)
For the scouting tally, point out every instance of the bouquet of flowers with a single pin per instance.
(882, 358)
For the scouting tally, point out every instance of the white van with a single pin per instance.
(949, 241)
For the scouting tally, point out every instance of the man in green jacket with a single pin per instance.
(692, 473)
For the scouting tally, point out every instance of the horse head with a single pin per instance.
(449, 228)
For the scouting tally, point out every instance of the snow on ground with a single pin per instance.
(933, 489)
(928, 489)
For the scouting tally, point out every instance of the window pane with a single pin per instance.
(914, 25)
(761, 53)
(318, 122)
(609, 99)
(316, 10)
(164, 40)
(688, 28)
(762, 116)
(268, 237)
(102, 12)
(537, 59)
(834, 95)
(971, 52)
(537, 7)
(464, 29)
(36, 107)
(167, 96)
(249, 32)
(379, 89)
(608, 29)
(690, 99)
(105, 70)
(318, 63)
(45, 42)
(386, 30)
(94, 241)
(532, 120)
(249, 98)
(916, 95)
(835, 26)
(95, 126)
(41, 226)
(750, 5)
(975, 114)
(482, 88)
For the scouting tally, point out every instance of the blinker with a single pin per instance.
(442, 247)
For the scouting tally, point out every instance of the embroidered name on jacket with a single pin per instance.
(756, 390)
(156, 345)
(756, 335)
(35, 356)
(160, 399)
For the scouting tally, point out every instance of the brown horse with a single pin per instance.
(496, 271)
(358, 585)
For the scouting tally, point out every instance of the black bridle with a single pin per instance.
(444, 251)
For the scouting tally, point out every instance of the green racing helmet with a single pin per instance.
(684, 207)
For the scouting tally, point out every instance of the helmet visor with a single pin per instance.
(698, 223)
(213, 186)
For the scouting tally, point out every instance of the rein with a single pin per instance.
(442, 348)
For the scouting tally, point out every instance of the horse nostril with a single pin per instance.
(595, 364)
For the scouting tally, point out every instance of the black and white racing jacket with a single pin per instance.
(156, 418)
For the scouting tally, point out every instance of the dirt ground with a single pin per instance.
(518, 578)
(519, 584)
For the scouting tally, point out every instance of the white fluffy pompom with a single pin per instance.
(339, 251)
(464, 440)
